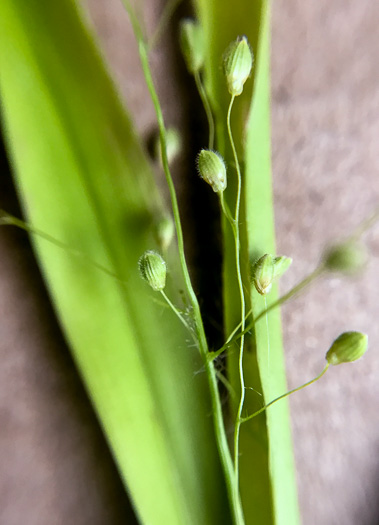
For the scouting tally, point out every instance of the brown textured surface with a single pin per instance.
(54, 464)
(326, 167)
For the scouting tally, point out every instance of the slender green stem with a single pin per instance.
(232, 334)
(207, 108)
(236, 231)
(226, 212)
(227, 385)
(134, 21)
(245, 419)
(232, 337)
(170, 183)
(365, 225)
(164, 19)
(169, 180)
(9, 220)
(284, 298)
(176, 311)
(220, 432)
(225, 346)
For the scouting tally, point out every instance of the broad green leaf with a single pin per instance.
(83, 178)
(267, 483)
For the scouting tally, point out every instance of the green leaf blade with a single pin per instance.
(84, 179)
(261, 228)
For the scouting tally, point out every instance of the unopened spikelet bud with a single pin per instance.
(281, 265)
(212, 169)
(238, 62)
(263, 273)
(153, 269)
(173, 146)
(348, 347)
(348, 257)
(267, 269)
(192, 45)
(164, 232)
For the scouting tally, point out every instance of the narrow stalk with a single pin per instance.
(295, 290)
(207, 108)
(245, 419)
(221, 437)
(164, 19)
(214, 355)
(9, 220)
(236, 232)
(226, 212)
(284, 298)
(234, 336)
(365, 225)
(231, 336)
(176, 311)
(227, 385)
(170, 183)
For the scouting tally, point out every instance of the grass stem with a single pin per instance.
(245, 419)
(207, 108)
(176, 311)
(236, 232)
(295, 290)
(163, 21)
(9, 220)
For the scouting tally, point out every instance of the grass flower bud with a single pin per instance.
(153, 270)
(348, 257)
(281, 265)
(164, 232)
(263, 274)
(192, 45)
(238, 62)
(348, 347)
(173, 146)
(212, 169)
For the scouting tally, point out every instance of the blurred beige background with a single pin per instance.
(54, 464)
